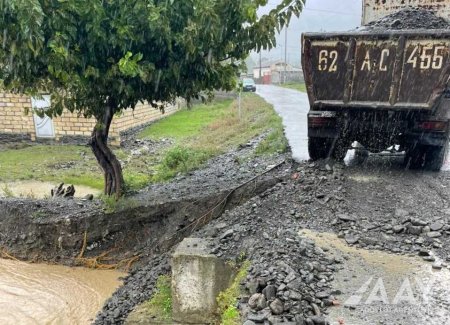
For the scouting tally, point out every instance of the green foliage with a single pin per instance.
(160, 305)
(181, 160)
(111, 204)
(66, 163)
(87, 54)
(188, 123)
(275, 142)
(227, 300)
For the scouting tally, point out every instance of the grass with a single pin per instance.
(198, 134)
(62, 163)
(222, 129)
(187, 123)
(160, 305)
(300, 86)
(227, 300)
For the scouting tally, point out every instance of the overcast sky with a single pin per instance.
(318, 15)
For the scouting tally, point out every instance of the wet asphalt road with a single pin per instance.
(293, 107)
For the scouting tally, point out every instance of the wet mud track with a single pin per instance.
(389, 226)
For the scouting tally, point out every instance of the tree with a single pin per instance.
(99, 57)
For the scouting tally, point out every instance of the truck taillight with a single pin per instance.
(320, 121)
(433, 125)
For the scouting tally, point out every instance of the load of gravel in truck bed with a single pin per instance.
(409, 18)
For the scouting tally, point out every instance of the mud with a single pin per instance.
(358, 277)
(49, 294)
(39, 190)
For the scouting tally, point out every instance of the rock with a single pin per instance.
(258, 318)
(437, 266)
(88, 197)
(249, 322)
(436, 226)
(414, 230)
(270, 292)
(401, 213)
(398, 229)
(419, 222)
(290, 277)
(227, 234)
(351, 239)
(299, 320)
(424, 252)
(253, 286)
(319, 320)
(257, 301)
(420, 240)
(322, 294)
(346, 218)
(294, 295)
(434, 234)
(316, 309)
(277, 307)
(429, 258)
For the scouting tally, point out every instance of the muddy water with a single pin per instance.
(382, 288)
(39, 190)
(52, 295)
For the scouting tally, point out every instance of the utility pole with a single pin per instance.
(260, 66)
(285, 53)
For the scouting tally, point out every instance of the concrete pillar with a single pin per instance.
(197, 279)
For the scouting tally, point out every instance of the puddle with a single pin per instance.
(52, 294)
(382, 288)
(39, 190)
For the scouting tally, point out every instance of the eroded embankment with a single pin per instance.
(78, 232)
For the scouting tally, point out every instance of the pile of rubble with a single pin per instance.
(409, 18)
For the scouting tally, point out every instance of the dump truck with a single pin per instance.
(383, 88)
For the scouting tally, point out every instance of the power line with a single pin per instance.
(320, 10)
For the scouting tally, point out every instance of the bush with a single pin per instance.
(181, 160)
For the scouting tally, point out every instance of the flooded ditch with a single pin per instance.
(142, 227)
(39, 190)
(52, 294)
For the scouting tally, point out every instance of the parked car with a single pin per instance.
(248, 84)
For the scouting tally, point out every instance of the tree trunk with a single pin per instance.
(107, 160)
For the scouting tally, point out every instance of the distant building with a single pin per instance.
(277, 72)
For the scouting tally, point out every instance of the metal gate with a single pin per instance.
(43, 125)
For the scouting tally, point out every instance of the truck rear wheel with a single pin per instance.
(415, 157)
(319, 148)
(436, 157)
(427, 157)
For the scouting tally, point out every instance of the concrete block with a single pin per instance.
(197, 279)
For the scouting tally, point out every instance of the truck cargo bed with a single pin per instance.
(396, 70)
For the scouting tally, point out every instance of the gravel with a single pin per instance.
(409, 18)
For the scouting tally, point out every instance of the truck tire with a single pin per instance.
(435, 157)
(322, 148)
(415, 157)
(319, 148)
(340, 148)
(426, 157)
